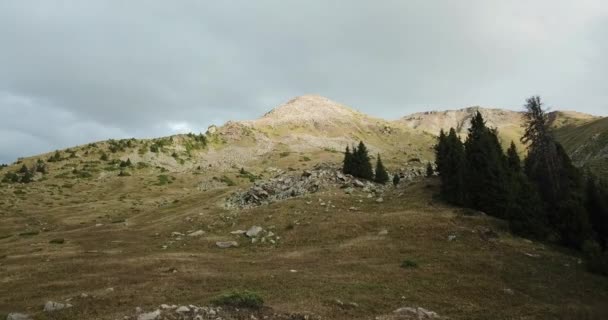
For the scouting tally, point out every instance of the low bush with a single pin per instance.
(240, 299)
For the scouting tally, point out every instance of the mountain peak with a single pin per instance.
(308, 109)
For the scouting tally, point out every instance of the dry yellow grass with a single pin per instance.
(337, 252)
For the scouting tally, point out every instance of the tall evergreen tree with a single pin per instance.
(429, 169)
(362, 167)
(559, 183)
(513, 160)
(485, 169)
(450, 160)
(596, 203)
(347, 166)
(381, 174)
(523, 207)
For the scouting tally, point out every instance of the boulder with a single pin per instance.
(226, 244)
(254, 231)
(154, 315)
(197, 233)
(51, 306)
(18, 316)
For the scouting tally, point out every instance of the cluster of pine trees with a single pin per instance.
(25, 174)
(357, 164)
(546, 197)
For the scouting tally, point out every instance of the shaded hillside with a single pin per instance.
(587, 144)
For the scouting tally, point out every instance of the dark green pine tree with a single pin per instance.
(396, 179)
(450, 160)
(362, 167)
(558, 182)
(347, 164)
(441, 151)
(381, 174)
(523, 208)
(24, 169)
(429, 169)
(596, 203)
(485, 169)
(513, 161)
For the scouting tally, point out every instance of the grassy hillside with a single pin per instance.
(587, 144)
(119, 233)
(111, 220)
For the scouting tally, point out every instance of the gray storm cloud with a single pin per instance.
(78, 71)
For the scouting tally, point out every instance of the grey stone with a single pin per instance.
(197, 233)
(154, 315)
(18, 316)
(254, 231)
(227, 244)
(182, 309)
(380, 200)
(51, 306)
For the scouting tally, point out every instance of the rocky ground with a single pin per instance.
(193, 312)
(287, 185)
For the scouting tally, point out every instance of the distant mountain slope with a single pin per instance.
(587, 144)
(317, 128)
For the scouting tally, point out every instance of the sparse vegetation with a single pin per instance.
(240, 299)
(408, 264)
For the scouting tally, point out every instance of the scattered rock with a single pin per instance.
(383, 232)
(197, 233)
(182, 309)
(154, 315)
(18, 316)
(226, 244)
(380, 200)
(508, 291)
(254, 231)
(238, 232)
(51, 306)
(419, 313)
(452, 237)
(358, 183)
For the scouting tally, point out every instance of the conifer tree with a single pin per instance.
(362, 167)
(558, 182)
(429, 169)
(396, 179)
(596, 203)
(523, 208)
(381, 174)
(450, 159)
(347, 167)
(485, 170)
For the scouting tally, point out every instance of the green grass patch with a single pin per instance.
(163, 179)
(57, 241)
(29, 233)
(240, 299)
(409, 264)
(227, 181)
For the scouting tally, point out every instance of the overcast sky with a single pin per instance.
(77, 71)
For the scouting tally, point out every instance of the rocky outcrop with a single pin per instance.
(290, 185)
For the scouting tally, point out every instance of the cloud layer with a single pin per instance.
(78, 71)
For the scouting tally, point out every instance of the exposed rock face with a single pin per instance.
(18, 316)
(286, 186)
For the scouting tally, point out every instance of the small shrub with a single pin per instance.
(29, 233)
(239, 299)
(306, 158)
(409, 264)
(57, 241)
(597, 261)
(227, 181)
(284, 154)
(163, 180)
(123, 173)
